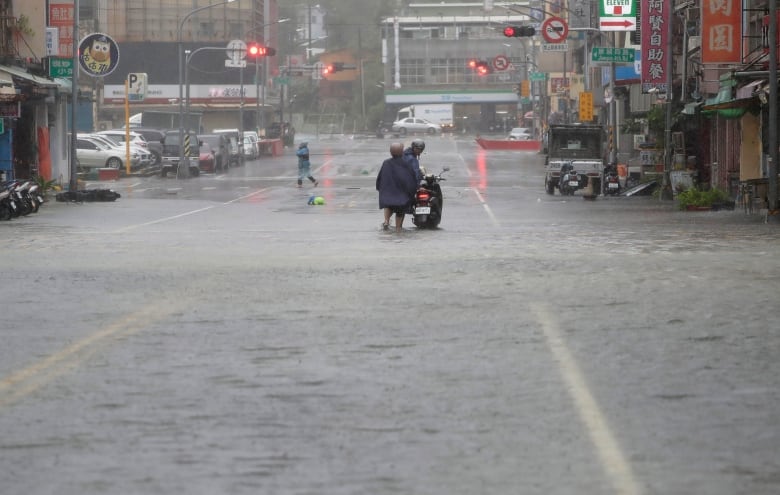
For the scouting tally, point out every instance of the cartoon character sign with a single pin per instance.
(98, 54)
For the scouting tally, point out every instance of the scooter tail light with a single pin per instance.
(423, 196)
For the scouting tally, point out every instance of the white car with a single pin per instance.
(413, 124)
(145, 157)
(520, 134)
(92, 153)
(118, 136)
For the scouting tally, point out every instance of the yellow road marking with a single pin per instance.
(26, 381)
(612, 459)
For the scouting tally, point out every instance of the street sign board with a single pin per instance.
(98, 54)
(555, 30)
(586, 106)
(235, 63)
(236, 50)
(617, 15)
(60, 67)
(555, 47)
(609, 54)
(500, 62)
(136, 84)
(537, 76)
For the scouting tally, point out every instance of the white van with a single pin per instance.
(251, 145)
(251, 142)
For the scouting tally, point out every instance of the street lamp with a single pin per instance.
(180, 54)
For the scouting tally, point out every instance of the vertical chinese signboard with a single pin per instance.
(61, 17)
(721, 32)
(654, 16)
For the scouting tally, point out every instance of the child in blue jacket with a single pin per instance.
(304, 164)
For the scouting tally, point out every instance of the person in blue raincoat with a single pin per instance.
(397, 185)
(304, 164)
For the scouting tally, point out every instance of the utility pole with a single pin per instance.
(773, 151)
(666, 187)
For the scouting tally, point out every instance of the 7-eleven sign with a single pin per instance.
(617, 15)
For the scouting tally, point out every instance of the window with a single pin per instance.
(235, 30)
(413, 71)
(206, 28)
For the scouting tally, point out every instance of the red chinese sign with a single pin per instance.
(721, 32)
(654, 16)
(61, 17)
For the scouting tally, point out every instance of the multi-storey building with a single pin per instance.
(148, 32)
(33, 131)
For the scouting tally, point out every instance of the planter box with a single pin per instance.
(108, 174)
(698, 208)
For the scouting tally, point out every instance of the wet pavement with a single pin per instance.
(220, 335)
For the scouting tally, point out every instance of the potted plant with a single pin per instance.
(694, 199)
(45, 185)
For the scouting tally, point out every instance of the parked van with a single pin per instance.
(233, 151)
(251, 140)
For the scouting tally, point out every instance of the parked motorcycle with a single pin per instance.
(429, 201)
(611, 182)
(7, 205)
(570, 180)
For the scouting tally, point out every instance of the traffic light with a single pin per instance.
(332, 67)
(258, 50)
(479, 66)
(519, 31)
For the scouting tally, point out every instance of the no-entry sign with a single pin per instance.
(555, 30)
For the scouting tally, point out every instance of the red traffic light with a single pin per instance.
(258, 50)
(333, 67)
(480, 66)
(519, 31)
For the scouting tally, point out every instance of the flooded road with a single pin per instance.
(220, 335)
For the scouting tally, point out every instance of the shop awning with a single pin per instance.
(726, 104)
(730, 104)
(9, 72)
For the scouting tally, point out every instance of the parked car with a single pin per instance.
(232, 136)
(154, 138)
(520, 134)
(144, 157)
(250, 150)
(171, 151)
(207, 162)
(253, 145)
(92, 153)
(412, 124)
(220, 146)
(118, 136)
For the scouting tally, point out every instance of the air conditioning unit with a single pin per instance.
(105, 125)
(694, 42)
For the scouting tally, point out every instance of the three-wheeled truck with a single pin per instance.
(575, 152)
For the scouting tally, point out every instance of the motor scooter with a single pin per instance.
(611, 182)
(429, 201)
(570, 180)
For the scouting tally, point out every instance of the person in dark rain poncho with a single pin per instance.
(397, 184)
